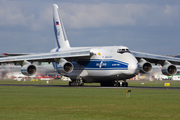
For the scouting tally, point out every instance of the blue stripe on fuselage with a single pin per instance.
(98, 64)
(103, 64)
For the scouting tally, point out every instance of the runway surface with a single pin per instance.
(131, 87)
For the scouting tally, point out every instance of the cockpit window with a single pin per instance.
(123, 51)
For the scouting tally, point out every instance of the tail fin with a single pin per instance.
(60, 34)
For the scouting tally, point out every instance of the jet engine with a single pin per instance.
(65, 67)
(28, 69)
(169, 69)
(145, 66)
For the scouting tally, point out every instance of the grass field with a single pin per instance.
(139, 83)
(54, 103)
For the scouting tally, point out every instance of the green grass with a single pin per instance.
(137, 83)
(54, 103)
(42, 82)
(153, 83)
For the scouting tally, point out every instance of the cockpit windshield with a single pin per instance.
(123, 51)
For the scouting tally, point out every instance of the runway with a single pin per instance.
(132, 87)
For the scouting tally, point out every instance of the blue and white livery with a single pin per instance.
(106, 65)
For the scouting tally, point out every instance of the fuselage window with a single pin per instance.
(123, 51)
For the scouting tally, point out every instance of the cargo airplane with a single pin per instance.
(105, 65)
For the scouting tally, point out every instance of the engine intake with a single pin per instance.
(28, 70)
(65, 67)
(169, 69)
(145, 66)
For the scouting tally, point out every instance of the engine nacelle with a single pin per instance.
(65, 67)
(28, 69)
(145, 66)
(169, 69)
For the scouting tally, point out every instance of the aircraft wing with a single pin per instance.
(48, 57)
(157, 59)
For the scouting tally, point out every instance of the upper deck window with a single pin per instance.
(123, 51)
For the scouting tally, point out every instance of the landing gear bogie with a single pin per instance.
(76, 83)
(116, 84)
(110, 84)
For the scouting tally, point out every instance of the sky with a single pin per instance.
(150, 26)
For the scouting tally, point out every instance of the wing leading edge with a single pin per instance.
(48, 57)
(157, 59)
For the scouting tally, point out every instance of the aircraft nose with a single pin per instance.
(133, 66)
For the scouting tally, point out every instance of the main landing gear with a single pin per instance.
(124, 84)
(76, 83)
(115, 84)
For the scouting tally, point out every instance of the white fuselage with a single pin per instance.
(105, 64)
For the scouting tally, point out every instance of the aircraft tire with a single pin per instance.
(126, 84)
(70, 83)
(122, 84)
(118, 84)
(102, 84)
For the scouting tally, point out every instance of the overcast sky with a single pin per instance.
(151, 26)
